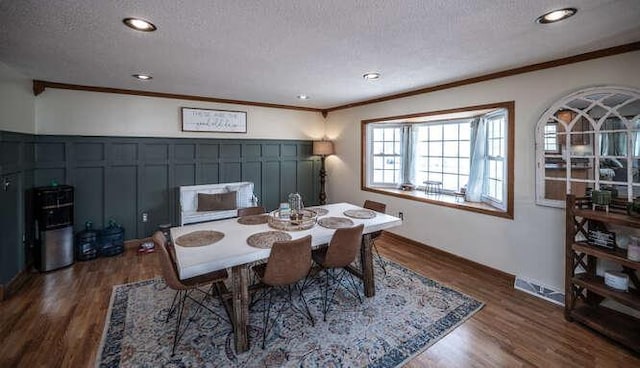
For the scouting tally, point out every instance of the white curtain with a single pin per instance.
(612, 143)
(478, 152)
(412, 142)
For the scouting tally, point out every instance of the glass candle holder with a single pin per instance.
(633, 250)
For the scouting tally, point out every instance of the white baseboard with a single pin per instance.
(535, 288)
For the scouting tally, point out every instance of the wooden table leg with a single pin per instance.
(240, 283)
(366, 259)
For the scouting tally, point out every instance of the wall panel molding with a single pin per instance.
(121, 178)
(17, 159)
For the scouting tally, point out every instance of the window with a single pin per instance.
(589, 140)
(387, 160)
(495, 174)
(457, 158)
(443, 152)
(551, 143)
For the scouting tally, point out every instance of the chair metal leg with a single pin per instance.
(326, 296)
(259, 294)
(355, 287)
(306, 312)
(172, 309)
(178, 303)
(290, 294)
(267, 311)
(267, 297)
(222, 302)
(329, 295)
(329, 300)
(192, 316)
(306, 307)
(379, 258)
(338, 280)
(265, 314)
(182, 299)
(304, 301)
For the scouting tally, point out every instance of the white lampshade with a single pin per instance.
(323, 148)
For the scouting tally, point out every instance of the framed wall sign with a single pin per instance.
(207, 120)
(602, 238)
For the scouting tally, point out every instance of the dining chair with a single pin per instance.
(382, 208)
(340, 253)
(184, 288)
(288, 264)
(250, 211)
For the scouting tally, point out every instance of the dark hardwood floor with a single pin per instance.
(56, 320)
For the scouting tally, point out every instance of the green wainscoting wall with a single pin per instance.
(121, 178)
(17, 162)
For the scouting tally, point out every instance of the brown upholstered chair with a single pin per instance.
(341, 252)
(250, 211)
(382, 208)
(288, 263)
(184, 288)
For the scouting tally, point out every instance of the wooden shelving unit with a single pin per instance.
(585, 290)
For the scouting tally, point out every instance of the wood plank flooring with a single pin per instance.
(57, 319)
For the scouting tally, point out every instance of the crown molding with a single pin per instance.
(39, 87)
(634, 46)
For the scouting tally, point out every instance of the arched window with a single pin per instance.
(589, 140)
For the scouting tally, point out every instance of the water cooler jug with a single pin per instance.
(87, 243)
(112, 239)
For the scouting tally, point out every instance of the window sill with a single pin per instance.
(442, 199)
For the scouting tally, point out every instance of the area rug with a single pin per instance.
(407, 315)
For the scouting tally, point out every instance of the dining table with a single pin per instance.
(230, 248)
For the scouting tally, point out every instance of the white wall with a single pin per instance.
(531, 245)
(17, 113)
(105, 114)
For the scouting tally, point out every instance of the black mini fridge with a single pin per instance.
(53, 227)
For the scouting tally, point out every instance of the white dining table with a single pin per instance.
(233, 251)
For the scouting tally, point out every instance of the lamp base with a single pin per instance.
(323, 180)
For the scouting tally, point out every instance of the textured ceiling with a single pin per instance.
(272, 51)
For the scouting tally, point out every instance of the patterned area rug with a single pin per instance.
(408, 314)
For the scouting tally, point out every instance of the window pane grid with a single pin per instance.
(443, 154)
(387, 161)
(495, 170)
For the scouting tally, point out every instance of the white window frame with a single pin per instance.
(457, 122)
(498, 202)
(371, 155)
(503, 209)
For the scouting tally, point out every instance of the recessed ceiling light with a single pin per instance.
(139, 24)
(142, 77)
(556, 15)
(371, 76)
(303, 97)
